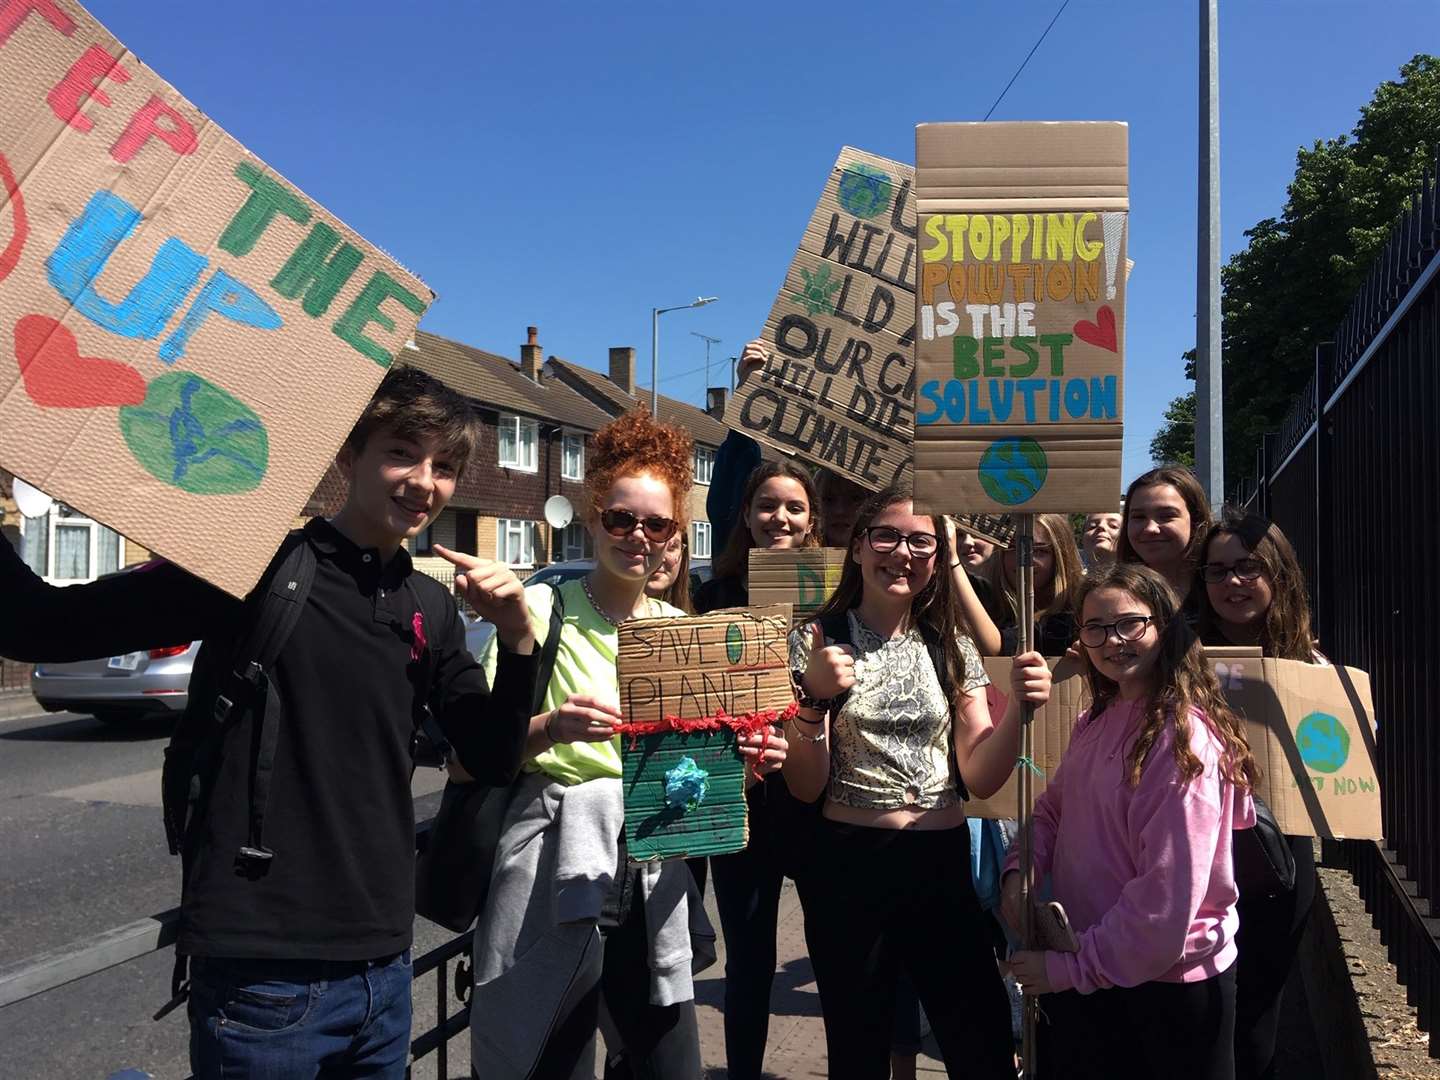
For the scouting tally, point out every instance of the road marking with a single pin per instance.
(143, 788)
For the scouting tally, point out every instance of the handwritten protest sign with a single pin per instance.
(185, 338)
(839, 386)
(1021, 337)
(804, 578)
(998, 529)
(688, 687)
(1310, 730)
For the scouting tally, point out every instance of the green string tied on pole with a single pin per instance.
(1024, 762)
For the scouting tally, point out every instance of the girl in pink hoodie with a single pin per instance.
(1134, 829)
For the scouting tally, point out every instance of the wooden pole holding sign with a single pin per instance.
(1025, 572)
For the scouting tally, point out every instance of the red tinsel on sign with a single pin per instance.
(747, 724)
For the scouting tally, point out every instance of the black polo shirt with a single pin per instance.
(340, 817)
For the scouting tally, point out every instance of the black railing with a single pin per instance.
(1353, 477)
(51, 970)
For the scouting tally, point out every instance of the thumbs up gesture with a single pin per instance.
(831, 668)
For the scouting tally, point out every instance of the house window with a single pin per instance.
(518, 437)
(704, 464)
(576, 542)
(64, 546)
(515, 542)
(700, 539)
(572, 461)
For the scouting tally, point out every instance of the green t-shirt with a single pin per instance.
(584, 664)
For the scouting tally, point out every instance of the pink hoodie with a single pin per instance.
(1144, 873)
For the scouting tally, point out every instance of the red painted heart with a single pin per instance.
(1101, 332)
(58, 377)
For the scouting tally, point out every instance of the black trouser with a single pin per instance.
(747, 894)
(661, 1042)
(1269, 937)
(881, 901)
(1172, 1031)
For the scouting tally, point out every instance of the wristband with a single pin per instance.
(548, 721)
(805, 700)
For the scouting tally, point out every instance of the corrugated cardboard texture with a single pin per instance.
(1019, 349)
(998, 529)
(838, 389)
(691, 668)
(186, 337)
(804, 578)
(1310, 730)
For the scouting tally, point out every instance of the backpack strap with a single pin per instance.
(549, 649)
(247, 684)
(836, 628)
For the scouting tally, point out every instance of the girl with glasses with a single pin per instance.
(559, 873)
(1057, 574)
(892, 730)
(671, 580)
(1134, 828)
(1166, 516)
(778, 511)
(1254, 594)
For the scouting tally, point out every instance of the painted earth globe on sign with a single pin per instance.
(1323, 742)
(192, 434)
(865, 190)
(1013, 470)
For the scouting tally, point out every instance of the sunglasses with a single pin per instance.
(619, 523)
(1130, 628)
(884, 540)
(1245, 569)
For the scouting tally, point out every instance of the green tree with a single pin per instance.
(1291, 285)
(1175, 439)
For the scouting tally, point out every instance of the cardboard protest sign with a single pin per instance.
(839, 386)
(185, 338)
(1019, 352)
(998, 529)
(804, 578)
(1310, 731)
(688, 687)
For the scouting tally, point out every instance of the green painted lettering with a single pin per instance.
(967, 366)
(1020, 371)
(1057, 344)
(366, 310)
(312, 266)
(267, 198)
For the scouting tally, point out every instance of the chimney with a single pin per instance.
(622, 369)
(530, 355)
(715, 401)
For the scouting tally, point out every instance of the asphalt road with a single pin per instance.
(82, 849)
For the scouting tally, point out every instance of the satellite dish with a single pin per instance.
(558, 512)
(33, 502)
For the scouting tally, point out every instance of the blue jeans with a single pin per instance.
(293, 1019)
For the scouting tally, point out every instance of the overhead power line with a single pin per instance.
(1021, 68)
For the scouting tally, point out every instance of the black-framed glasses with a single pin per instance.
(657, 529)
(884, 540)
(1213, 573)
(1130, 628)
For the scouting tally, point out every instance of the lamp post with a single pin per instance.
(655, 313)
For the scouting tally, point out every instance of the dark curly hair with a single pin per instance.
(636, 443)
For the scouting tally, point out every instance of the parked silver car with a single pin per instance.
(153, 683)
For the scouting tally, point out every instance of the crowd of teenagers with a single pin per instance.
(288, 786)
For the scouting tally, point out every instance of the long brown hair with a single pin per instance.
(935, 611)
(1185, 682)
(678, 592)
(734, 561)
(1286, 630)
(1056, 530)
(1188, 485)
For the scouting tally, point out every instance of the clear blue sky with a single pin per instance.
(571, 166)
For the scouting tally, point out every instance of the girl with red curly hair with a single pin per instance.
(568, 921)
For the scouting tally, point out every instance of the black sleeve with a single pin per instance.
(487, 727)
(146, 608)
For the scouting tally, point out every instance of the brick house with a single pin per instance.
(616, 393)
(534, 442)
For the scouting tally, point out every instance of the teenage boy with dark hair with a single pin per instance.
(300, 961)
